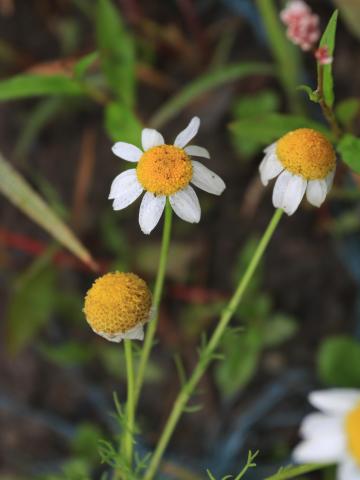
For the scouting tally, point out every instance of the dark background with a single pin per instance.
(56, 376)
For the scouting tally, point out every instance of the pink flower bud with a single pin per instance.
(322, 56)
(302, 25)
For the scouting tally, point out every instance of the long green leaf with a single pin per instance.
(292, 472)
(328, 41)
(204, 84)
(23, 86)
(19, 192)
(117, 52)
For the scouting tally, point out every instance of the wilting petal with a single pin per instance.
(188, 134)
(151, 209)
(186, 205)
(136, 333)
(206, 179)
(330, 180)
(126, 151)
(151, 138)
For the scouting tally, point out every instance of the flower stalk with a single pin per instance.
(209, 351)
(130, 404)
(328, 112)
(158, 289)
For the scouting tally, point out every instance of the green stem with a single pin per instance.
(208, 352)
(328, 112)
(151, 329)
(285, 54)
(128, 438)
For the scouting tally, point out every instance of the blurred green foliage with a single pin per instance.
(338, 362)
(262, 328)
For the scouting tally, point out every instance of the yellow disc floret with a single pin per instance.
(164, 170)
(306, 152)
(117, 302)
(352, 427)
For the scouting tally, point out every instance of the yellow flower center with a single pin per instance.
(352, 427)
(306, 152)
(164, 170)
(117, 302)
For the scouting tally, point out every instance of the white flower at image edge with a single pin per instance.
(164, 171)
(332, 436)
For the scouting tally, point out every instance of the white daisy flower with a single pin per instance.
(333, 434)
(304, 162)
(164, 171)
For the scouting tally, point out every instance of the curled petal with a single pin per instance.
(196, 151)
(136, 333)
(188, 133)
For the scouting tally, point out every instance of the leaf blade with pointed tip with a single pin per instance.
(328, 41)
(15, 188)
(29, 85)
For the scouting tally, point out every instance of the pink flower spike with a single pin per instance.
(322, 56)
(302, 25)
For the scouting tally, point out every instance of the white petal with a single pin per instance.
(335, 400)
(197, 151)
(186, 205)
(125, 189)
(136, 333)
(280, 188)
(126, 151)
(330, 179)
(151, 138)
(316, 191)
(188, 134)
(288, 192)
(322, 449)
(112, 337)
(270, 168)
(318, 424)
(206, 179)
(271, 148)
(348, 470)
(151, 209)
